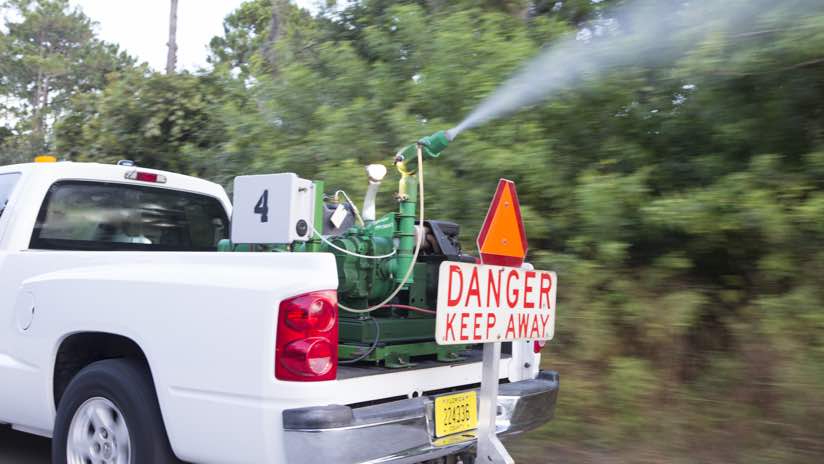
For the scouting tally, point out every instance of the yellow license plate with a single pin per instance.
(456, 413)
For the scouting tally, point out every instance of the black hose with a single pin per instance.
(371, 348)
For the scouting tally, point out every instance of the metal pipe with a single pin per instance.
(376, 173)
(407, 203)
(369, 213)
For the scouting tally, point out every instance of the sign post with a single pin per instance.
(493, 302)
(490, 448)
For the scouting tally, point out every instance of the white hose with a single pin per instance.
(414, 256)
(343, 250)
(352, 204)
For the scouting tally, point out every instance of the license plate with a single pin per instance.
(456, 413)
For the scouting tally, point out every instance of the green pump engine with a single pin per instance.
(387, 266)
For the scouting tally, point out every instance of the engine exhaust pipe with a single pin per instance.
(376, 173)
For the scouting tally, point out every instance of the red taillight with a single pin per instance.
(312, 312)
(307, 337)
(311, 356)
(538, 345)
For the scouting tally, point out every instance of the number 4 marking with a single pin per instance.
(262, 206)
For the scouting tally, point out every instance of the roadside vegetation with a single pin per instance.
(680, 202)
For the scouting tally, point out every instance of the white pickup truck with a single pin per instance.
(126, 338)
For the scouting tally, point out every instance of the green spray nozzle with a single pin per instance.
(432, 145)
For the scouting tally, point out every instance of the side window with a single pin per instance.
(7, 183)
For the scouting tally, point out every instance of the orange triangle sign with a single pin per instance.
(502, 240)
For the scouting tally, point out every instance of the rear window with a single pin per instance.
(7, 183)
(79, 215)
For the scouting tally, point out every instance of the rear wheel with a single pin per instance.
(98, 433)
(109, 415)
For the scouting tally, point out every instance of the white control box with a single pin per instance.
(272, 208)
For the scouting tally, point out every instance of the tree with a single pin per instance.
(146, 117)
(48, 53)
(255, 33)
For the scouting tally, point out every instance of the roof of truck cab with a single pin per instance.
(68, 170)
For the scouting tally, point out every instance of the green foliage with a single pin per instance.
(47, 54)
(681, 202)
(148, 118)
(245, 36)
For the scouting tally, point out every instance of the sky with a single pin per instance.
(141, 27)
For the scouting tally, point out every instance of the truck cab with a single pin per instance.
(126, 337)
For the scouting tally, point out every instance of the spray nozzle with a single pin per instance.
(434, 144)
(406, 160)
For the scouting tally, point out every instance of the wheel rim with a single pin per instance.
(98, 434)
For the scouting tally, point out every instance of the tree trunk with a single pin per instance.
(39, 104)
(279, 11)
(171, 57)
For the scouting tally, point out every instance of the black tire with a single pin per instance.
(128, 385)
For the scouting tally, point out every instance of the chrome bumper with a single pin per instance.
(402, 432)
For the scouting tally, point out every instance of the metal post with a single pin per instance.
(490, 448)
(315, 244)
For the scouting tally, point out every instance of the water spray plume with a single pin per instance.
(652, 32)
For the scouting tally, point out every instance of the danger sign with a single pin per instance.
(483, 303)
